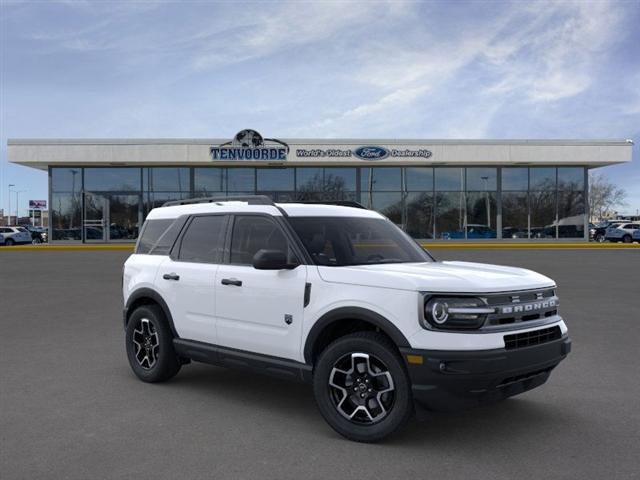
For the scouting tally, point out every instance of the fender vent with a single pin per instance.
(535, 337)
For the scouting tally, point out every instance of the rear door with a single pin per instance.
(259, 310)
(186, 279)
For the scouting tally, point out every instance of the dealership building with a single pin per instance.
(101, 190)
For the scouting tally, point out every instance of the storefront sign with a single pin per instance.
(367, 152)
(249, 145)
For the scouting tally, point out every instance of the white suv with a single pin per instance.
(15, 235)
(622, 232)
(337, 296)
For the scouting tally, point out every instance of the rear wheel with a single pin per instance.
(599, 238)
(36, 241)
(362, 388)
(149, 344)
(626, 239)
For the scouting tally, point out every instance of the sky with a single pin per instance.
(374, 69)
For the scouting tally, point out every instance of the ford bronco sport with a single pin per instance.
(337, 296)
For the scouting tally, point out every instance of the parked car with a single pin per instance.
(38, 234)
(15, 235)
(599, 231)
(514, 232)
(622, 232)
(636, 236)
(338, 297)
(473, 231)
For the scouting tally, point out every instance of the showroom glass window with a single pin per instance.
(209, 182)
(381, 190)
(449, 203)
(419, 202)
(112, 179)
(278, 183)
(481, 195)
(163, 184)
(66, 204)
(542, 202)
(309, 184)
(515, 202)
(571, 202)
(241, 181)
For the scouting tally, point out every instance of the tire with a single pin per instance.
(149, 344)
(626, 239)
(9, 242)
(385, 402)
(36, 241)
(599, 238)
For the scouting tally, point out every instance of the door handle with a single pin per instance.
(231, 281)
(171, 276)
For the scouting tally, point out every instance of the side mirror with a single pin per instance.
(271, 260)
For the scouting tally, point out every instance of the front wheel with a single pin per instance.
(599, 238)
(9, 242)
(362, 388)
(149, 344)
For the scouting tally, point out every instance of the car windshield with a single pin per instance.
(343, 241)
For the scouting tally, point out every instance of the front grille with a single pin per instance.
(516, 307)
(534, 337)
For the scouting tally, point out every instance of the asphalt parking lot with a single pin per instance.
(71, 408)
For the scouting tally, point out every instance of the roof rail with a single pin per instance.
(341, 203)
(250, 199)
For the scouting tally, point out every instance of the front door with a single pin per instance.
(259, 310)
(96, 208)
(111, 217)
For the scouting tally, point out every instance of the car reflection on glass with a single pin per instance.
(473, 232)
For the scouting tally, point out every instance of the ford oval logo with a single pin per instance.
(371, 153)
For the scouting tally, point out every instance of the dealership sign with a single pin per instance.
(250, 145)
(366, 152)
(38, 204)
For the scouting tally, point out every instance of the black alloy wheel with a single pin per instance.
(362, 387)
(149, 345)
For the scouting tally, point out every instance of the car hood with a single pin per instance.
(454, 277)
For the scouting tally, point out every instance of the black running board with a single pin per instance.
(232, 358)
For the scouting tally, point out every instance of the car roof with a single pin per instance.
(290, 209)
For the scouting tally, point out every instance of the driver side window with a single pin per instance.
(252, 233)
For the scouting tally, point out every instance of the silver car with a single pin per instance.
(622, 232)
(15, 235)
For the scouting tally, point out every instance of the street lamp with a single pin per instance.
(9, 211)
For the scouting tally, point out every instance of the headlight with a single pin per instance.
(455, 313)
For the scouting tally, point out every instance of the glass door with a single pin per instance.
(111, 217)
(95, 217)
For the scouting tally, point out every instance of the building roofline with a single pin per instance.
(316, 141)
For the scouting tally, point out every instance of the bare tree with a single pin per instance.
(604, 196)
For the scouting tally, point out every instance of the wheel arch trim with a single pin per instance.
(351, 313)
(148, 293)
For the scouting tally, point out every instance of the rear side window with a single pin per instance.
(203, 241)
(152, 231)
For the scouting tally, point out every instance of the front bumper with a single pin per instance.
(451, 380)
